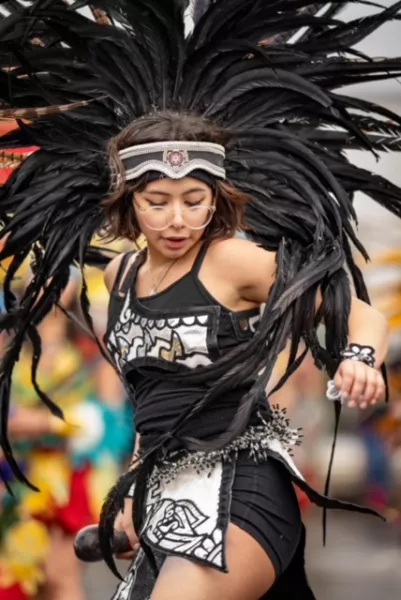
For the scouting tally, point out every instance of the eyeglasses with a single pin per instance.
(159, 218)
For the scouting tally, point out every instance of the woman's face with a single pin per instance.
(173, 214)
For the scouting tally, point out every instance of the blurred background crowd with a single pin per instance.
(75, 462)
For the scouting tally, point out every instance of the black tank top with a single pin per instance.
(179, 329)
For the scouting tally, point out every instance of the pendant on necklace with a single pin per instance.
(152, 292)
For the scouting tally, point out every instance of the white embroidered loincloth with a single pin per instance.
(189, 499)
(186, 517)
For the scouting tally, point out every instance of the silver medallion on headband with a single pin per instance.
(174, 159)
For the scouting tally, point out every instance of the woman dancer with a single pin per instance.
(185, 142)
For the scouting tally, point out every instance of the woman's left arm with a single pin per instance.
(361, 384)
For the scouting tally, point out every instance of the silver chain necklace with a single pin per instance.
(156, 285)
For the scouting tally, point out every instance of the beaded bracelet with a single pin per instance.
(365, 354)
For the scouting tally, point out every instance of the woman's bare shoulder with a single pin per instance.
(241, 252)
(113, 267)
(249, 266)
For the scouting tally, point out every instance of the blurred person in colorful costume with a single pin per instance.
(74, 462)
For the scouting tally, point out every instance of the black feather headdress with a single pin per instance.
(75, 75)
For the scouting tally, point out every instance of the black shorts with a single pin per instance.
(264, 504)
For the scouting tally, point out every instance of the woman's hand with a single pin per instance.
(359, 384)
(124, 522)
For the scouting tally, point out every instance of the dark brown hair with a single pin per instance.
(162, 127)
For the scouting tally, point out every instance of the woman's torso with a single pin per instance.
(176, 331)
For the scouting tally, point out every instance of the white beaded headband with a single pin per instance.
(174, 159)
